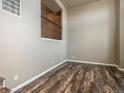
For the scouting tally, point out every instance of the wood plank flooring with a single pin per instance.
(4, 90)
(73, 77)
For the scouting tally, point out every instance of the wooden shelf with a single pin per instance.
(52, 22)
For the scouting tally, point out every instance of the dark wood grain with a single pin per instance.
(73, 77)
(50, 23)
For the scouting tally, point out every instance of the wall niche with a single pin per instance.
(51, 27)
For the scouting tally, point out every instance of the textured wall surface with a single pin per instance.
(91, 29)
(22, 52)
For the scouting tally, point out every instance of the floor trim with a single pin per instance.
(36, 77)
(67, 60)
(87, 62)
(121, 69)
(96, 63)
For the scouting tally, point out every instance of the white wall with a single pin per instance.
(122, 33)
(91, 29)
(22, 52)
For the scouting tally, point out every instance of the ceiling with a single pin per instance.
(52, 5)
(74, 3)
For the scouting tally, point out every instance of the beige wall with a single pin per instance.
(22, 52)
(122, 33)
(117, 34)
(91, 31)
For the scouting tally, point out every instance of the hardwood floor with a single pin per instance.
(4, 90)
(78, 78)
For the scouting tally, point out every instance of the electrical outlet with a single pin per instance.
(16, 77)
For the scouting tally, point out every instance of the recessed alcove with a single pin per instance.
(50, 20)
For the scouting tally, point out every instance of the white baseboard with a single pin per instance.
(36, 77)
(121, 69)
(4, 83)
(96, 63)
(87, 62)
(67, 60)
